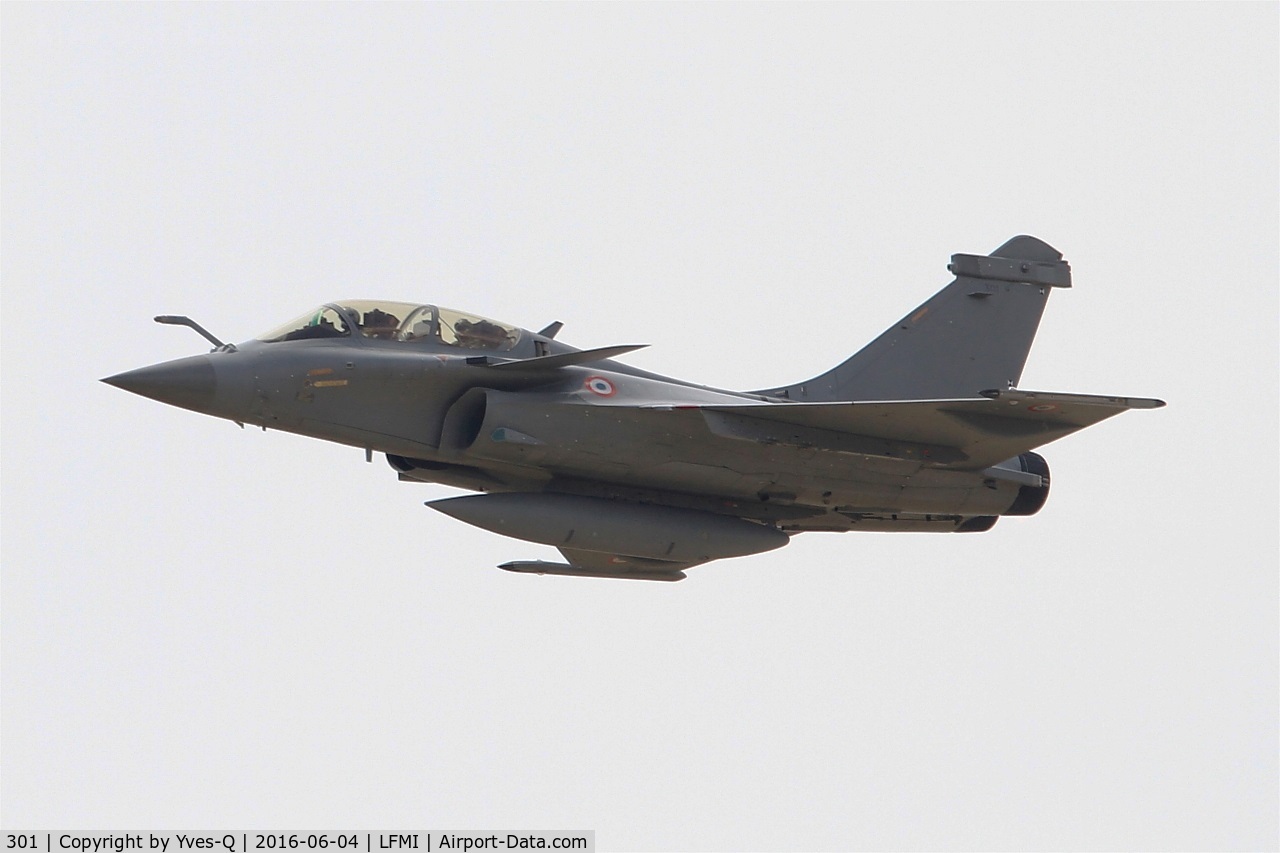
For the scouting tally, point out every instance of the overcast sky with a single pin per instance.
(209, 627)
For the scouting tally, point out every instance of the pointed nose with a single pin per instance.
(186, 382)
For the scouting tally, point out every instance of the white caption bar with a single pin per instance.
(262, 841)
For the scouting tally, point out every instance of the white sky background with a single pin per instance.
(204, 627)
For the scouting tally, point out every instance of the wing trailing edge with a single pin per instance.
(965, 434)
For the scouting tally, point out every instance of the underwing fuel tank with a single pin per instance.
(610, 527)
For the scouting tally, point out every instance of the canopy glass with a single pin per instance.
(398, 321)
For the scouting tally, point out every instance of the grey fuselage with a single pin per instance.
(602, 429)
(634, 475)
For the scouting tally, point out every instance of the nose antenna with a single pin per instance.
(173, 320)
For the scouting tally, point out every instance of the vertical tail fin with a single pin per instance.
(971, 336)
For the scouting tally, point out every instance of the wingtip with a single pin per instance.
(1146, 403)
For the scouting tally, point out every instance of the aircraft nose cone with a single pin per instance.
(186, 382)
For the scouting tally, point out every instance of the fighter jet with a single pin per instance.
(630, 474)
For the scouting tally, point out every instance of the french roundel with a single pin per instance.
(600, 386)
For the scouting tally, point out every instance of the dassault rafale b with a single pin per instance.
(635, 475)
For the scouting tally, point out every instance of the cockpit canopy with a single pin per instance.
(397, 321)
